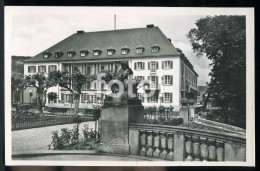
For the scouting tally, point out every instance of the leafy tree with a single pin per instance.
(18, 84)
(72, 83)
(223, 40)
(41, 83)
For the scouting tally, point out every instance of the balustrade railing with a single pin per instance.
(186, 144)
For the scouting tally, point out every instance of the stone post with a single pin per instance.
(191, 108)
(184, 111)
(114, 125)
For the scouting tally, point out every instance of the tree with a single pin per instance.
(223, 40)
(41, 83)
(73, 83)
(18, 84)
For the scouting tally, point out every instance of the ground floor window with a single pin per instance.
(153, 98)
(168, 97)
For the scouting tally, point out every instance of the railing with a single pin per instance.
(185, 144)
(56, 120)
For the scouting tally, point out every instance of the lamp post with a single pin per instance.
(30, 94)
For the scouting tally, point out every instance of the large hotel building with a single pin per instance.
(149, 53)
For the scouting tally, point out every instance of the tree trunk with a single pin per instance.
(206, 102)
(41, 101)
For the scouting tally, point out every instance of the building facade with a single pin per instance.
(149, 53)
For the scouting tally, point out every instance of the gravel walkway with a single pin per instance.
(38, 138)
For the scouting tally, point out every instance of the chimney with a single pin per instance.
(80, 31)
(150, 26)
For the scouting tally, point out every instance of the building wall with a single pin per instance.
(175, 72)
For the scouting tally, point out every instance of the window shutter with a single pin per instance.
(49, 68)
(88, 85)
(170, 97)
(29, 69)
(142, 77)
(87, 97)
(143, 65)
(149, 63)
(39, 69)
(162, 98)
(162, 64)
(171, 80)
(157, 65)
(162, 80)
(62, 96)
(149, 78)
(44, 68)
(148, 99)
(135, 65)
(156, 97)
(156, 82)
(171, 65)
(142, 97)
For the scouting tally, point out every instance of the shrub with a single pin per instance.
(61, 141)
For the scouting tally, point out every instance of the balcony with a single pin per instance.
(155, 87)
(153, 72)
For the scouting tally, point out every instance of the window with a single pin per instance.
(139, 65)
(139, 50)
(167, 65)
(58, 54)
(167, 80)
(102, 67)
(153, 66)
(155, 49)
(31, 69)
(154, 81)
(83, 53)
(71, 53)
(52, 68)
(154, 98)
(168, 97)
(110, 51)
(124, 51)
(96, 52)
(93, 98)
(42, 69)
(46, 55)
(110, 66)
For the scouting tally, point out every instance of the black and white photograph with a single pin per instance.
(129, 86)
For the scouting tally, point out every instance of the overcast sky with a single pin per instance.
(37, 29)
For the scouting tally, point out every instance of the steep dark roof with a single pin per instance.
(147, 37)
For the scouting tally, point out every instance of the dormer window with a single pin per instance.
(46, 55)
(110, 51)
(139, 49)
(155, 49)
(83, 52)
(97, 51)
(125, 50)
(71, 53)
(58, 54)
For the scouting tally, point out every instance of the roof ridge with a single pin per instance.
(118, 30)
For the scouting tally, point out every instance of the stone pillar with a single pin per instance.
(114, 124)
(184, 111)
(191, 108)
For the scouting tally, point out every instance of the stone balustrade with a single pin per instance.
(175, 143)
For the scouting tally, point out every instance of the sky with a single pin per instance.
(37, 29)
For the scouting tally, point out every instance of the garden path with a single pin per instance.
(38, 138)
